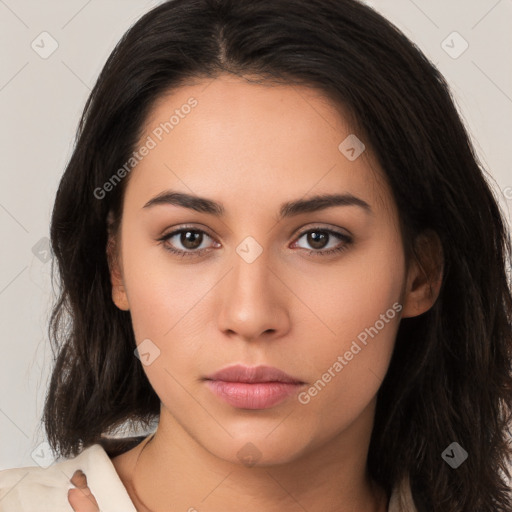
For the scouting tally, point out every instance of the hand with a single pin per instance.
(81, 499)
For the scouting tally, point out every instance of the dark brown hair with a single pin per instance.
(450, 374)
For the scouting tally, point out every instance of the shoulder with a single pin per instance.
(34, 488)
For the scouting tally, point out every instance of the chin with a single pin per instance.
(258, 450)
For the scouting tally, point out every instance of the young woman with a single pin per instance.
(276, 243)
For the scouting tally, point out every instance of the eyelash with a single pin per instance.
(311, 252)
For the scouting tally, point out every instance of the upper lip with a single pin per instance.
(241, 373)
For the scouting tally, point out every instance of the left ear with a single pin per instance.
(424, 276)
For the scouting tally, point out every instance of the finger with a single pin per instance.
(81, 498)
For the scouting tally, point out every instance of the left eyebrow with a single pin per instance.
(321, 202)
(288, 209)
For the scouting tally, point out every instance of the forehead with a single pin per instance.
(252, 144)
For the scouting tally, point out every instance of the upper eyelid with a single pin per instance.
(335, 231)
(180, 229)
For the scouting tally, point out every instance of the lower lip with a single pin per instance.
(258, 395)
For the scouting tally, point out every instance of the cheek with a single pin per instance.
(165, 302)
(164, 297)
(353, 294)
(359, 306)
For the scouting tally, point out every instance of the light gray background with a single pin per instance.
(41, 100)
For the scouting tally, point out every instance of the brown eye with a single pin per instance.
(317, 239)
(322, 241)
(191, 239)
(186, 241)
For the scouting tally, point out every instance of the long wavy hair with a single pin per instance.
(450, 374)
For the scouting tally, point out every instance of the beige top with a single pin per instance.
(37, 489)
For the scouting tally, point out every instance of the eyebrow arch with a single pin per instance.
(288, 209)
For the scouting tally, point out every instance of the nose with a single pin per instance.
(254, 301)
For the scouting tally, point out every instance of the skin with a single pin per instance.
(81, 498)
(253, 147)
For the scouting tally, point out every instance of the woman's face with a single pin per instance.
(262, 281)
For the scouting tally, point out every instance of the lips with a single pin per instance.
(259, 387)
(240, 373)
